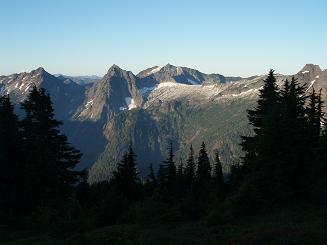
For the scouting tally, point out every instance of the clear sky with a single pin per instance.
(79, 37)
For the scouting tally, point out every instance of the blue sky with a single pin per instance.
(79, 37)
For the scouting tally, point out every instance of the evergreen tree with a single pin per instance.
(126, 177)
(180, 179)
(218, 177)
(293, 149)
(314, 115)
(263, 120)
(167, 175)
(190, 169)
(49, 157)
(171, 170)
(151, 176)
(180, 169)
(319, 172)
(256, 176)
(203, 174)
(162, 176)
(204, 168)
(12, 174)
(234, 178)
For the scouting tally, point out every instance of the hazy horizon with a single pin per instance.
(136, 72)
(234, 38)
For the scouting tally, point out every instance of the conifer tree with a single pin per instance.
(12, 174)
(314, 115)
(126, 177)
(151, 176)
(203, 175)
(218, 177)
(167, 174)
(180, 169)
(204, 168)
(190, 169)
(262, 119)
(256, 176)
(180, 179)
(50, 158)
(170, 169)
(319, 176)
(293, 150)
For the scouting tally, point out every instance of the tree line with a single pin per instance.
(284, 163)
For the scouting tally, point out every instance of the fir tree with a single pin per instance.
(180, 169)
(204, 169)
(171, 170)
(218, 177)
(126, 177)
(190, 169)
(319, 176)
(293, 150)
(12, 174)
(180, 179)
(167, 175)
(263, 119)
(50, 158)
(314, 115)
(256, 176)
(151, 176)
(203, 174)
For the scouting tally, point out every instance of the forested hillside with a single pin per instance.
(187, 200)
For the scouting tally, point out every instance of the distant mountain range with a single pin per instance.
(160, 104)
(82, 80)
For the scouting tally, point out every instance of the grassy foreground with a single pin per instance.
(300, 225)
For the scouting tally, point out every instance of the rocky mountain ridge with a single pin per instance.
(158, 105)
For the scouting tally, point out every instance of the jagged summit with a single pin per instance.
(114, 67)
(150, 105)
(116, 71)
(39, 71)
(314, 70)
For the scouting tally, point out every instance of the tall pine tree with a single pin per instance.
(125, 178)
(256, 175)
(49, 157)
(12, 174)
(203, 174)
(190, 169)
(218, 178)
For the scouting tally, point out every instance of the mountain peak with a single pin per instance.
(311, 68)
(114, 67)
(168, 65)
(39, 71)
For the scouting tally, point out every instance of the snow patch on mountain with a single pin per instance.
(241, 94)
(130, 103)
(27, 88)
(155, 70)
(89, 103)
(311, 84)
